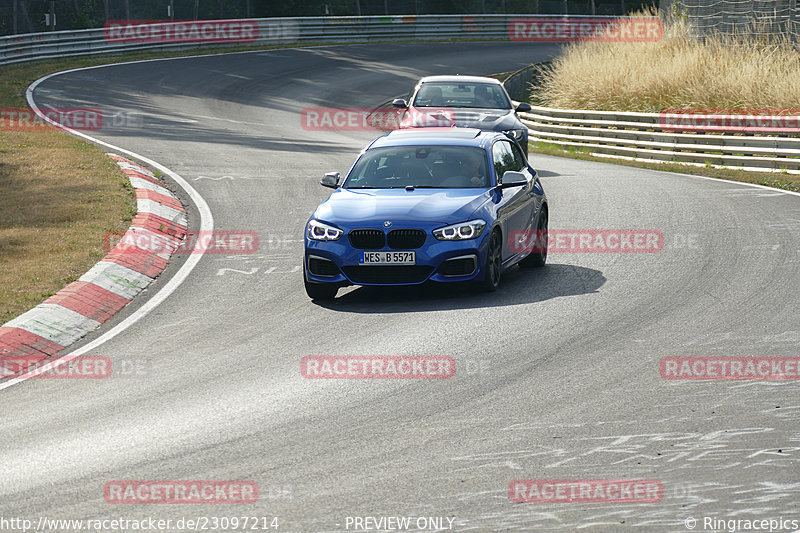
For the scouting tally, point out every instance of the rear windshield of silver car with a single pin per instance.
(470, 95)
(446, 167)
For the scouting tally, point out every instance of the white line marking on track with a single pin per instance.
(223, 271)
(231, 178)
(754, 185)
(206, 224)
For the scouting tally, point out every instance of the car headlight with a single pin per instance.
(517, 134)
(460, 232)
(319, 231)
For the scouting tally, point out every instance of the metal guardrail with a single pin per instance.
(761, 18)
(49, 45)
(33, 46)
(519, 84)
(646, 137)
(626, 135)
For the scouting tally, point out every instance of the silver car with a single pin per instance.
(464, 101)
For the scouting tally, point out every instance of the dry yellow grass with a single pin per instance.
(724, 72)
(58, 197)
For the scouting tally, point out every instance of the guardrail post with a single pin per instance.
(51, 19)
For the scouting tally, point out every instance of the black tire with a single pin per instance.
(320, 291)
(538, 258)
(494, 260)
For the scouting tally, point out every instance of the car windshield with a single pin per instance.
(446, 167)
(472, 95)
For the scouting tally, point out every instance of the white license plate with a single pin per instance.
(388, 258)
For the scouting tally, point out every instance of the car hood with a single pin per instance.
(372, 207)
(484, 119)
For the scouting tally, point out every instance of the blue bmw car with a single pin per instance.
(440, 204)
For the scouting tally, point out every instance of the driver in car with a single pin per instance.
(482, 97)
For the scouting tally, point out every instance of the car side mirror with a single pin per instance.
(399, 102)
(523, 107)
(331, 179)
(512, 178)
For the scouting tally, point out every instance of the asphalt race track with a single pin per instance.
(557, 372)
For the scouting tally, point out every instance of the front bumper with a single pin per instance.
(438, 261)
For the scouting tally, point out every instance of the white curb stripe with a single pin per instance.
(147, 241)
(118, 279)
(149, 206)
(139, 183)
(130, 166)
(55, 323)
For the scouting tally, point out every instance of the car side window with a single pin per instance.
(519, 159)
(497, 159)
(503, 158)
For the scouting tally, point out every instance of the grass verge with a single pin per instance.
(725, 74)
(59, 197)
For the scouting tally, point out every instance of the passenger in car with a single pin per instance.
(474, 168)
